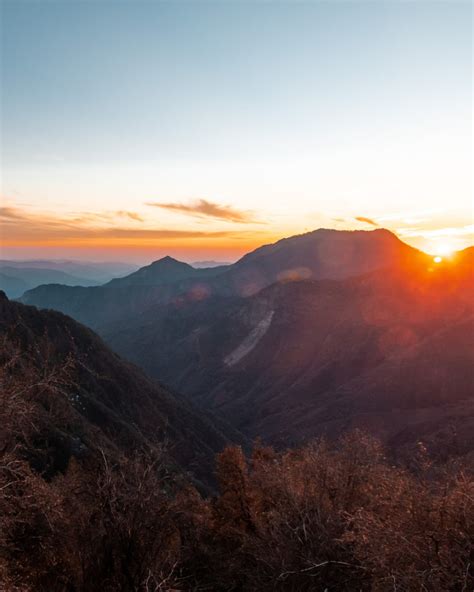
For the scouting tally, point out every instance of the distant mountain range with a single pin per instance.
(315, 255)
(15, 281)
(312, 335)
(97, 270)
(16, 277)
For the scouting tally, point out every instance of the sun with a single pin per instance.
(442, 248)
(437, 259)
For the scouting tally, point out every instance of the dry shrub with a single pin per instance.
(336, 518)
(341, 518)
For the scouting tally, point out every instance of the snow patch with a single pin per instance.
(250, 341)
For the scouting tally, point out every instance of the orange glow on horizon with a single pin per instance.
(132, 249)
(441, 248)
(129, 235)
(190, 248)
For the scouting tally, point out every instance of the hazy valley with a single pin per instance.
(308, 337)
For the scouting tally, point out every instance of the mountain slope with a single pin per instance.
(101, 400)
(155, 284)
(275, 363)
(323, 253)
(13, 286)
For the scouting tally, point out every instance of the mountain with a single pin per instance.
(161, 282)
(323, 253)
(28, 278)
(89, 500)
(164, 271)
(99, 272)
(285, 343)
(465, 257)
(85, 397)
(13, 286)
(391, 351)
(206, 264)
(315, 255)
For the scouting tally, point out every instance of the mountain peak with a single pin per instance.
(324, 253)
(321, 232)
(162, 271)
(168, 261)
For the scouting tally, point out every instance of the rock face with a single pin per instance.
(104, 401)
(251, 341)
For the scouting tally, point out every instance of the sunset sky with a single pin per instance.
(131, 130)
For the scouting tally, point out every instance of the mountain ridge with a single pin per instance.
(317, 335)
(320, 254)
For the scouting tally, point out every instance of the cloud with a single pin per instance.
(131, 215)
(106, 216)
(438, 232)
(21, 226)
(158, 233)
(10, 213)
(205, 208)
(408, 216)
(366, 220)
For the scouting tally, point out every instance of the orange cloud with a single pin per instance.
(131, 215)
(204, 208)
(20, 228)
(8, 213)
(366, 220)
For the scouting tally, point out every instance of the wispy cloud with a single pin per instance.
(413, 216)
(100, 217)
(366, 220)
(205, 208)
(438, 232)
(21, 226)
(8, 213)
(131, 215)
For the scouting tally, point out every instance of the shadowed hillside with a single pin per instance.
(391, 351)
(85, 397)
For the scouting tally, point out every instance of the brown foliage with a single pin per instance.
(320, 517)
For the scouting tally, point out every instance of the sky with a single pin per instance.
(135, 129)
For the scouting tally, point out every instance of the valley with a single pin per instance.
(348, 343)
